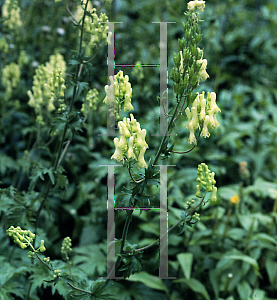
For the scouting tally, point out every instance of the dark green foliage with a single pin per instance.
(231, 252)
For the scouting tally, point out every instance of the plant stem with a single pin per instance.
(127, 221)
(165, 136)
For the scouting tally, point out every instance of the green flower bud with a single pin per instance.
(31, 254)
(213, 195)
(198, 37)
(210, 185)
(198, 193)
(187, 35)
(196, 216)
(176, 88)
(42, 248)
(181, 43)
(177, 59)
(175, 75)
(133, 124)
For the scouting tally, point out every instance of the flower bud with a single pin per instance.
(198, 193)
(175, 75)
(186, 54)
(42, 248)
(181, 43)
(213, 195)
(212, 178)
(177, 59)
(193, 50)
(133, 124)
(210, 186)
(187, 35)
(198, 37)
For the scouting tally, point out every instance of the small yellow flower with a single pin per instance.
(234, 199)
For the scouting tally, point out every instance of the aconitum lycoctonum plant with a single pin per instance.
(48, 99)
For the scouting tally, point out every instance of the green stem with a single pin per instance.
(165, 136)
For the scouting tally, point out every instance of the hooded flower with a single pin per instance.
(131, 145)
(194, 5)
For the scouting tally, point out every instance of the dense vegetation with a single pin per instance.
(53, 146)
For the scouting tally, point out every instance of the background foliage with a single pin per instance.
(232, 252)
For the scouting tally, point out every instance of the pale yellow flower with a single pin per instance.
(203, 75)
(193, 5)
(205, 133)
(141, 162)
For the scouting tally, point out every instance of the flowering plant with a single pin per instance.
(54, 99)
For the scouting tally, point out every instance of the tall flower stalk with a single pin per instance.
(200, 109)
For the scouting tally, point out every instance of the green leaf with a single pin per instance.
(50, 174)
(213, 274)
(262, 188)
(196, 286)
(185, 260)
(244, 290)
(246, 259)
(248, 222)
(149, 280)
(264, 237)
(6, 162)
(132, 264)
(259, 295)
(80, 87)
(61, 179)
(91, 259)
(236, 234)
(271, 267)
